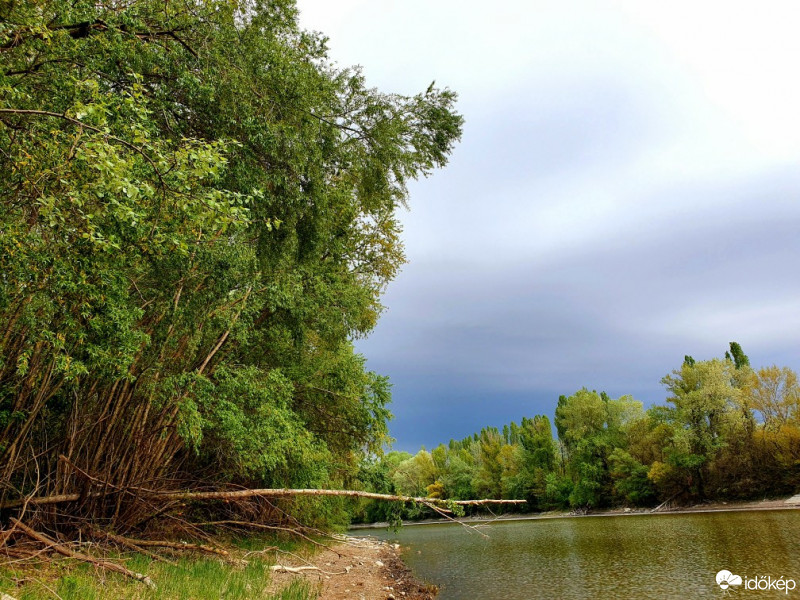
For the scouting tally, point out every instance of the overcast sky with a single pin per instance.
(625, 192)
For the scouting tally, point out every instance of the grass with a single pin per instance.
(193, 578)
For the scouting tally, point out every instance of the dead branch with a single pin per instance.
(466, 526)
(63, 550)
(132, 545)
(180, 546)
(289, 530)
(286, 569)
(664, 503)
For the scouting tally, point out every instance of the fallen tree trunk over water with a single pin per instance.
(253, 493)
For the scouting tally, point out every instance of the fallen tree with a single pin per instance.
(252, 493)
(12, 548)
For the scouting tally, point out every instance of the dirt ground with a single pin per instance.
(358, 569)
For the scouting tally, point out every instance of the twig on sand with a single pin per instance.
(287, 569)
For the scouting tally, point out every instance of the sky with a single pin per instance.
(625, 193)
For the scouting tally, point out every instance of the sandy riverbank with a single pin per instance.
(356, 568)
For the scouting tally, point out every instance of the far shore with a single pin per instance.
(792, 503)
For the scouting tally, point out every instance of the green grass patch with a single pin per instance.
(193, 578)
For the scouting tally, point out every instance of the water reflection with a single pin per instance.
(636, 556)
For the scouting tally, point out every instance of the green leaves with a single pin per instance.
(197, 217)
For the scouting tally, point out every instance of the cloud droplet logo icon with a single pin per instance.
(725, 579)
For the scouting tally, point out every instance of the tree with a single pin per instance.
(488, 481)
(413, 476)
(580, 416)
(737, 355)
(197, 217)
(459, 476)
(537, 457)
(701, 394)
(775, 393)
(631, 481)
(591, 426)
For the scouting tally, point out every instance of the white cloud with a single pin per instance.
(714, 83)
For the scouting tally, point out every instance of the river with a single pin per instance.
(632, 556)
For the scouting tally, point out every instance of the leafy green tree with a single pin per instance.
(460, 475)
(701, 393)
(737, 355)
(558, 489)
(592, 425)
(197, 218)
(537, 457)
(631, 481)
(413, 476)
(775, 393)
(580, 416)
(488, 482)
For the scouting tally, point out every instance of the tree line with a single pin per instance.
(727, 432)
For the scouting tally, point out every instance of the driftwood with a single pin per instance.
(664, 503)
(285, 569)
(181, 546)
(253, 493)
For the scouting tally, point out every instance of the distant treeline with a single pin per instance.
(728, 431)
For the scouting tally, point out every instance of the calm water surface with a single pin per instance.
(633, 556)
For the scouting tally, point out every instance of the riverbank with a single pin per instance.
(337, 568)
(792, 503)
(356, 568)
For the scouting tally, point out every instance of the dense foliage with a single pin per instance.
(197, 217)
(727, 432)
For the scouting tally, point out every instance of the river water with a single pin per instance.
(631, 556)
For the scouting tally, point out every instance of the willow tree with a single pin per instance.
(197, 218)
